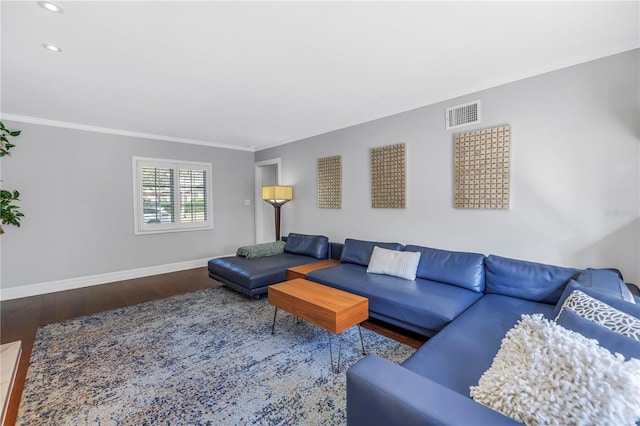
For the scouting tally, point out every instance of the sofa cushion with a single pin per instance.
(463, 269)
(335, 250)
(610, 299)
(426, 304)
(359, 252)
(607, 281)
(457, 356)
(526, 280)
(600, 313)
(401, 264)
(307, 245)
(609, 339)
(543, 373)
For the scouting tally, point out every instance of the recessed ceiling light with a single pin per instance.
(52, 47)
(50, 6)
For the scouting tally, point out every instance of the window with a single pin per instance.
(171, 196)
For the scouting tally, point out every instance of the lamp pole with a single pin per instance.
(277, 207)
(277, 196)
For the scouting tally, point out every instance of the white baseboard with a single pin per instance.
(90, 280)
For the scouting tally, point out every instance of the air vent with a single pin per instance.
(463, 115)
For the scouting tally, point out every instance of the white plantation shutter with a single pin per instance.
(157, 194)
(193, 195)
(171, 196)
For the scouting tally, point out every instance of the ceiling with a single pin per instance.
(251, 75)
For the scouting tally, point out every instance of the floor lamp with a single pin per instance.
(277, 196)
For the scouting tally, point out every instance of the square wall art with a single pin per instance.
(388, 177)
(481, 163)
(330, 182)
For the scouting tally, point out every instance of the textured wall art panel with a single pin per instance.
(388, 180)
(481, 162)
(330, 182)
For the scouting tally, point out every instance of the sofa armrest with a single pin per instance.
(383, 393)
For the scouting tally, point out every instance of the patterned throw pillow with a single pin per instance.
(600, 313)
(261, 250)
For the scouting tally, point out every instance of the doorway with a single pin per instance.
(267, 173)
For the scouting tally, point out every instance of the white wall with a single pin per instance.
(575, 182)
(76, 194)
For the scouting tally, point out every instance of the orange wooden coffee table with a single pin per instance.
(329, 308)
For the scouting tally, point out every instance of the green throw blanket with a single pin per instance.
(261, 250)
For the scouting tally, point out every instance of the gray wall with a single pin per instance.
(575, 183)
(77, 196)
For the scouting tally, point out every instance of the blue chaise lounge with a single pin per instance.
(253, 276)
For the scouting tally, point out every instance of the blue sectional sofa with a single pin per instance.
(466, 302)
(253, 276)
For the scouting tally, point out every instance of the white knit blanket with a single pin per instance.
(544, 374)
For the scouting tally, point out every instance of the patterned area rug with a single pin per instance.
(201, 358)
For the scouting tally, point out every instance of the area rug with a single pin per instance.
(201, 358)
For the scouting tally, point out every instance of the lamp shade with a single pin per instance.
(277, 194)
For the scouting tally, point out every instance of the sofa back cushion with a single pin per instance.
(335, 250)
(359, 252)
(462, 269)
(526, 280)
(308, 245)
(607, 281)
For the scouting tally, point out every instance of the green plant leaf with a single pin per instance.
(9, 213)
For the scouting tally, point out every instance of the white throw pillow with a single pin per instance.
(546, 374)
(403, 264)
(599, 312)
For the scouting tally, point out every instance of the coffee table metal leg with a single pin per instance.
(337, 369)
(339, 353)
(361, 341)
(330, 351)
(273, 326)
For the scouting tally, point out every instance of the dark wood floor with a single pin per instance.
(20, 318)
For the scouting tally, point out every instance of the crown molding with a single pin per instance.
(118, 132)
